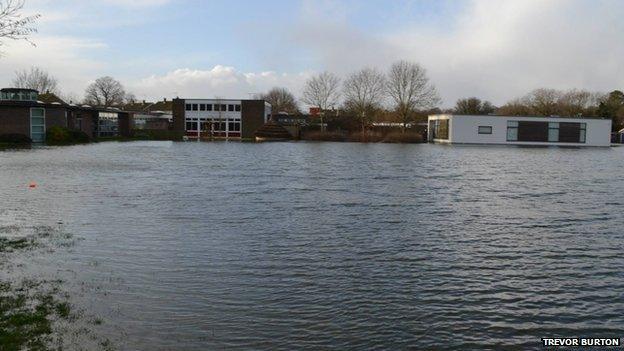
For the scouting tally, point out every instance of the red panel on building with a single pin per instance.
(315, 111)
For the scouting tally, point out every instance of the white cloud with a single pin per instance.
(222, 81)
(62, 56)
(494, 49)
(136, 3)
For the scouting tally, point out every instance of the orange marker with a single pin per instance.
(32, 185)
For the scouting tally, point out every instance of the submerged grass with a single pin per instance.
(27, 312)
(31, 309)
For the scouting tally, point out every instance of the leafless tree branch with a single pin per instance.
(37, 79)
(13, 25)
(410, 89)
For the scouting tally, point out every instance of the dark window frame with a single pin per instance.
(487, 127)
(188, 107)
(193, 126)
(582, 127)
(237, 107)
(195, 107)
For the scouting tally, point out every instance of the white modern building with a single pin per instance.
(219, 118)
(519, 130)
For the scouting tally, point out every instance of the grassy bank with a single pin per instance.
(368, 137)
(36, 313)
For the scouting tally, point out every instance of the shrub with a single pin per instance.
(62, 136)
(78, 136)
(367, 137)
(327, 136)
(15, 139)
(399, 137)
(156, 134)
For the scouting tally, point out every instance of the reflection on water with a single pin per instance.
(329, 245)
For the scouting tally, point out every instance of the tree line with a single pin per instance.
(365, 94)
(552, 102)
(403, 94)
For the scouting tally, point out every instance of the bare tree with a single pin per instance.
(409, 87)
(281, 100)
(543, 102)
(130, 98)
(13, 25)
(105, 91)
(322, 91)
(364, 93)
(577, 103)
(473, 106)
(37, 79)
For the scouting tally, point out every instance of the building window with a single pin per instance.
(553, 132)
(237, 108)
(188, 107)
(234, 126)
(441, 129)
(485, 130)
(37, 124)
(223, 108)
(582, 132)
(512, 130)
(108, 124)
(202, 107)
(205, 126)
(231, 108)
(219, 125)
(191, 126)
(194, 107)
(208, 107)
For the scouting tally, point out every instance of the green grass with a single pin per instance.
(26, 316)
(12, 244)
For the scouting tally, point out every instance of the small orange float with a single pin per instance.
(32, 185)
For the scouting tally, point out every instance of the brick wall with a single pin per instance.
(15, 120)
(179, 123)
(252, 117)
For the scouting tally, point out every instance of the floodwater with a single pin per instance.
(282, 246)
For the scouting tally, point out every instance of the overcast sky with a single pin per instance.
(492, 49)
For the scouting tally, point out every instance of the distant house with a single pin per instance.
(26, 112)
(285, 119)
(151, 115)
(519, 130)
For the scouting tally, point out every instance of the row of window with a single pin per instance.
(217, 126)
(213, 107)
(546, 131)
(18, 95)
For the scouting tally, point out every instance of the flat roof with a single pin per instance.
(30, 103)
(512, 116)
(13, 90)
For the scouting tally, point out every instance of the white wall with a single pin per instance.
(464, 129)
(213, 114)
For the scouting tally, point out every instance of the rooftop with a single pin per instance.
(512, 116)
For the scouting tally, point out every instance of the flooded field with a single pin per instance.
(281, 246)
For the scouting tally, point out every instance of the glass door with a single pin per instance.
(37, 124)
